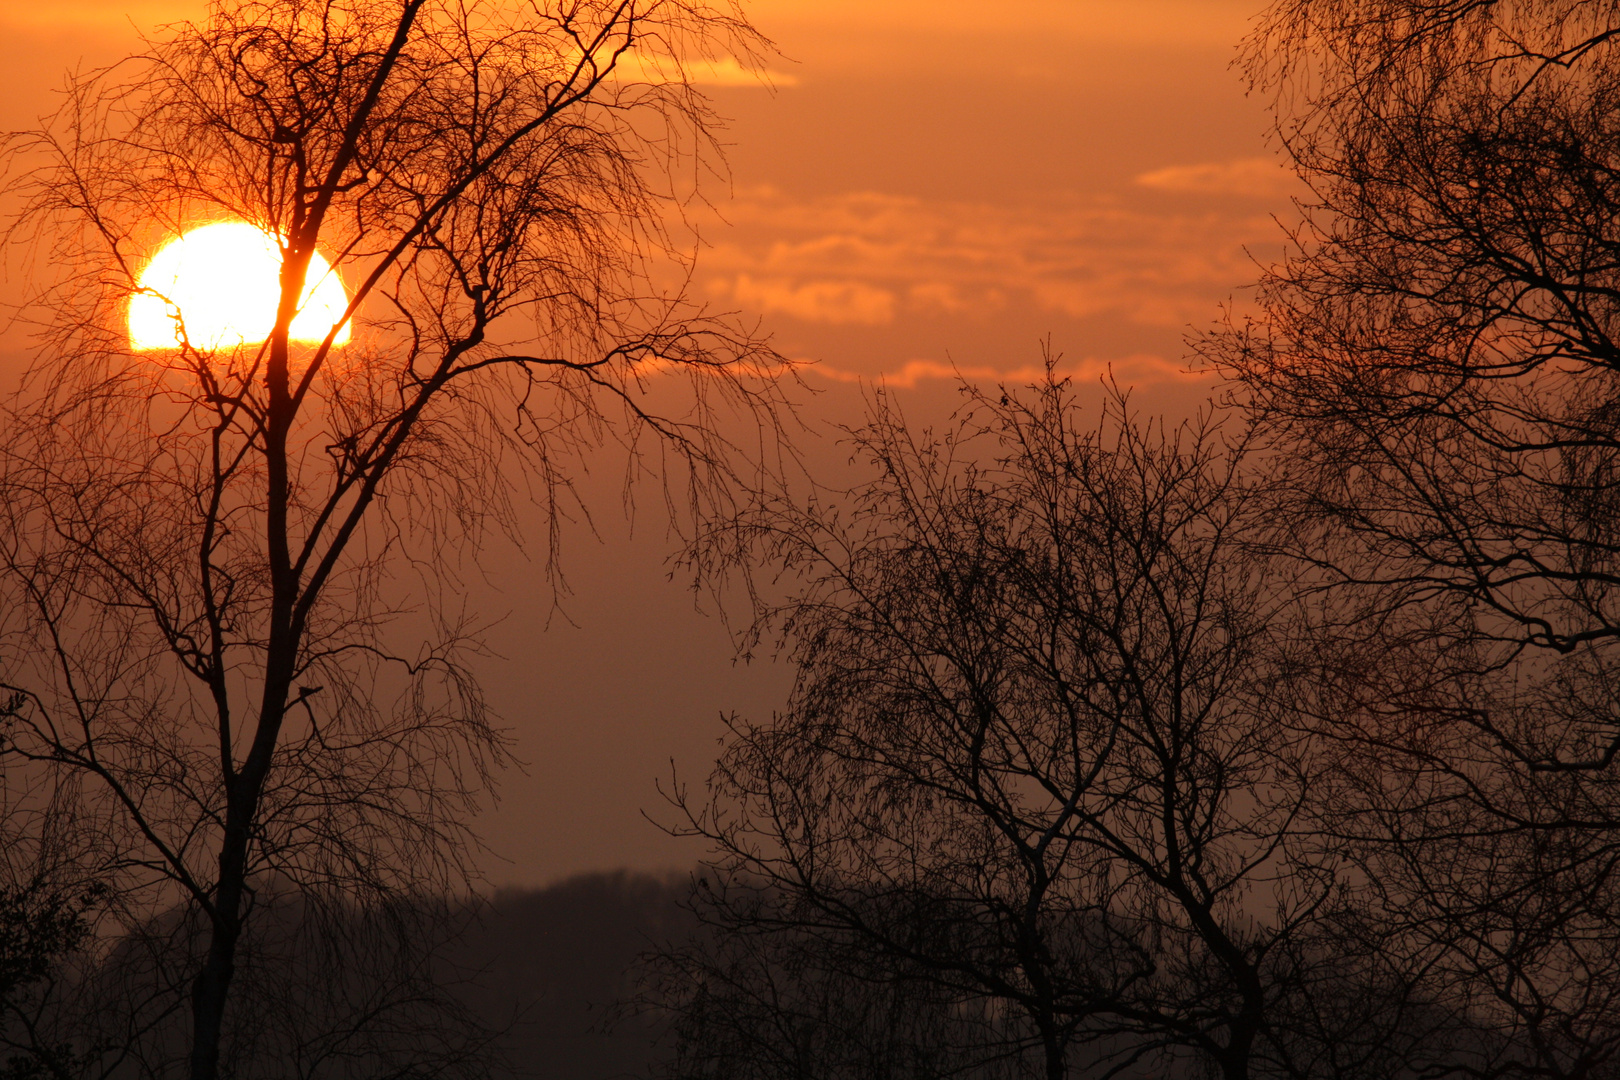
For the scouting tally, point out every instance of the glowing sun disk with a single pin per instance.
(216, 287)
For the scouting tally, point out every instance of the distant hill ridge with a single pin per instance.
(560, 956)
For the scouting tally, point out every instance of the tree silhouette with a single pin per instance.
(1435, 366)
(1029, 767)
(41, 923)
(1437, 352)
(200, 546)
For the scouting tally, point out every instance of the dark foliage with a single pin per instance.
(40, 926)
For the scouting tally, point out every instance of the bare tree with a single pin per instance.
(1029, 766)
(1434, 365)
(1437, 352)
(201, 547)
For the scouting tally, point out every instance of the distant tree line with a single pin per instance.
(524, 985)
(1280, 743)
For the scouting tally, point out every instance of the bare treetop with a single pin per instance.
(201, 617)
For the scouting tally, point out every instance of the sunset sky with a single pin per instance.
(930, 185)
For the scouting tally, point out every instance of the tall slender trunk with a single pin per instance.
(243, 792)
(212, 984)
(1056, 1050)
(244, 786)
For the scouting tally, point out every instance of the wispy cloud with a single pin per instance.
(1259, 176)
(725, 71)
(1137, 368)
(872, 259)
(813, 301)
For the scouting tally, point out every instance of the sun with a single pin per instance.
(216, 288)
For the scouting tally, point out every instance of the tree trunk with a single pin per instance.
(209, 989)
(244, 788)
(1055, 1047)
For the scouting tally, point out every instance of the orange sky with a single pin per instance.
(932, 183)
(925, 185)
(935, 187)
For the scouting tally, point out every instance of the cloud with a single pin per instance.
(1140, 367)
(939, 296)
(812, 301)
(726, 71)
(1260, 177)
(869, 259)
